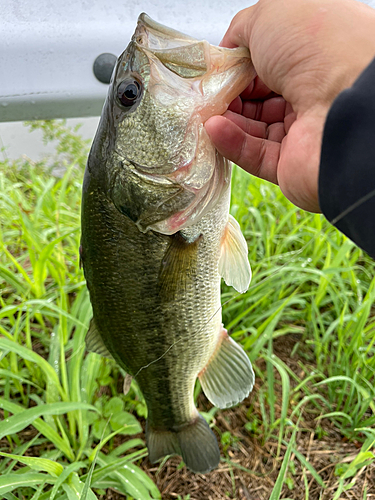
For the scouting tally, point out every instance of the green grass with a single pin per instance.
(308, 279)
(62, 408)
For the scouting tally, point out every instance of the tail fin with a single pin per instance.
(195, 442)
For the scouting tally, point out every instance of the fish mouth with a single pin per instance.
(218, 74)
(180, 53)
(154, 35)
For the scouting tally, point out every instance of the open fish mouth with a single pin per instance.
(170, 45)
(218, 74)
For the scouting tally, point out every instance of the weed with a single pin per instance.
(309, 283)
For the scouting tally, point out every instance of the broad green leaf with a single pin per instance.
(47, 431)
(100, 429)
(105, 470)
(10, 496)
(71, 493)
(10, 482)
(144, 479)
(102, 443)
(113, 406)
(75, 487)
(74, 467)
(127, 421)
(124, 447)
(132, 484)
(135, 480)
(38, 464)
(18, 422)
(107, 483)
(19, 450)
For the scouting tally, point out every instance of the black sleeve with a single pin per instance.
(347, 166)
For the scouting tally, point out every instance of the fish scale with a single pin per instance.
(157, 236)
(140, 313)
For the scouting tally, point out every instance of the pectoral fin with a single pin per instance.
(94, 342)
(228, 378)
(178, 266)
(234, 265)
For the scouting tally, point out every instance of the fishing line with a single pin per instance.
(355, 205)
(192, 335)
(295, 254)
(334, 221)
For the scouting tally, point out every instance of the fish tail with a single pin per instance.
(195, 442)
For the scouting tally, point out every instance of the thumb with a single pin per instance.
(238, 33)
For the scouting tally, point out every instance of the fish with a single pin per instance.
(157, 236)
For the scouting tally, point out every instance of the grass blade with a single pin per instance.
(38, 464)
(276, 492)
(10, 482)
(18, 422)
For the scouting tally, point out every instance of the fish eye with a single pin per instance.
(128, 92)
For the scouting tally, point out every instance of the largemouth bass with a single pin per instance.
(157, 235)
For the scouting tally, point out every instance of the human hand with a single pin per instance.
(305, 54)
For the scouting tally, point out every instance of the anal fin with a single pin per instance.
(94, 342)
(234, 264)
(228, 378)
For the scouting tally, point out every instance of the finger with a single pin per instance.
(276, 132)
(236, 105)
(288, 108)
(270, 111)
(256, 90)
(251, 127)
(290, 117)
(237, 33)
(257, 156)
